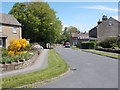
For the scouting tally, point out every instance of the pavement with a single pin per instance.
(40, 63)
(92, 70)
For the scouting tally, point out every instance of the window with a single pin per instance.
(110, 22)
(0, 27)
(14, 30)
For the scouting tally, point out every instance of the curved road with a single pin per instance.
(93, 71)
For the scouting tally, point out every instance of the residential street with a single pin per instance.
(93, 71)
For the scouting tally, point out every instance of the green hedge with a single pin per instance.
(88, 45)
(110, 42)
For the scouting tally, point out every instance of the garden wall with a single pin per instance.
(109, 50)
(21, 64)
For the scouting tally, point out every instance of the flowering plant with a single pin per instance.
(16, 46)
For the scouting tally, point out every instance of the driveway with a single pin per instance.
(92, 71)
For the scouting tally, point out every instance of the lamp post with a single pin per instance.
(50, 33)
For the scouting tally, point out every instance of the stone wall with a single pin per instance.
(21, 64)
(8, 30)
(104, 30)
(93, 32)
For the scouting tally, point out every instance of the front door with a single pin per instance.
(1, 42)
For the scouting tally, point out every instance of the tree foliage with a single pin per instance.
(36, 18)
(67, 33)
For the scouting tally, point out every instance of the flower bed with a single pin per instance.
(15, 58)
(19, 64)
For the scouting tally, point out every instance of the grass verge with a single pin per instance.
(74, 48)
(56, 66)
(102, 53)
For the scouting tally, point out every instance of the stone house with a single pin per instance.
(108, 27)
(78, 38)
(10, 29)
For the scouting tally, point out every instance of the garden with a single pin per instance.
(108, 43)
(18, 50)
(109, 46)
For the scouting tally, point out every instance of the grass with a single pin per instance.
(98, 52)
(56, 66)
(102, 53)
(74, 48)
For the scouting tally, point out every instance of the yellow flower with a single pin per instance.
(11, 52)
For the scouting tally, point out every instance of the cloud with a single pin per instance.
(100, 7)
(79, 26)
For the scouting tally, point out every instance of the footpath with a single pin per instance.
(40, 63)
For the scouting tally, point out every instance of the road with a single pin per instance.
(92, 71)
(40, 63)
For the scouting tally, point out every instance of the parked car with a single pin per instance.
(67, 44)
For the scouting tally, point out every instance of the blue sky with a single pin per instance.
(83, 15)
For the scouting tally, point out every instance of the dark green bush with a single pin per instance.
(3, 48)
(5, 53)
(109, 42)
(88, 44)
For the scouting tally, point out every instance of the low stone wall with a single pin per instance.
(21, 64)
(109, 50)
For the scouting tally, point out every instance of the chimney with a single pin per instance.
(99, 22)
(104, 18)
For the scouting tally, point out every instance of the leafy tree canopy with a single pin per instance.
(35, 18)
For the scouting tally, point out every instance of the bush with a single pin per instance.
(32, 44)
(99, 47)
(108, 42)
(15, 57)
(5, 53)
(3, 48)
(88, 45)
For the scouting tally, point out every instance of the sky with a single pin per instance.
(83, 15)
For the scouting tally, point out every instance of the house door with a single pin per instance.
(1, 42)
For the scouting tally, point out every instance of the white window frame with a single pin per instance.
(110, 22)
(0, 27)
(14, 30)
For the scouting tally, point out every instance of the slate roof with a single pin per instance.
(8, 19)
(81, 35)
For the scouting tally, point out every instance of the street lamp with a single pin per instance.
(50, 33)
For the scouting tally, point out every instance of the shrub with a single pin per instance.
(16, 46)
(3, 48)
(32, 44)
(88, 44)
(108, 42)
(15, 57)
(4, 53)
(99, 47)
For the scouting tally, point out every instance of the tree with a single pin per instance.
(73, 29)
(67, 33)
(36, 18)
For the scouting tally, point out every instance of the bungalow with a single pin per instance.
(10, 29)
(108, 27)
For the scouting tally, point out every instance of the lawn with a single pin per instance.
(102, 53)
(56, 66)
(98, 52)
